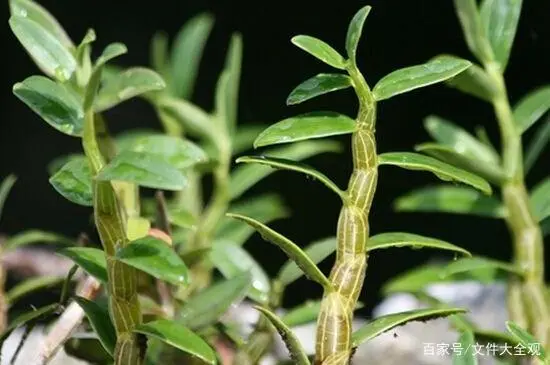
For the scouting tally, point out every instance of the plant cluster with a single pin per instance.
(170, 260)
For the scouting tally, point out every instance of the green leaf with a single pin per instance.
(91, 260)
(401, 239)
(244, 137)
(194, 120)
(462, 142)
(444, 171)
(208, 305)
(32, 285)
(29, 317)
(33, 11)
(74, 181)
(318, 85)
(500, 19)
(35, 236)
(320, 50)
(436, 70)
(306, 126)
(143, 169)
(227, 90)
(178, 152)
(536, 145)
(53, 102)
(531, 108)
(415, 279)
(385, 323)
(183, 218)
(297, 352)
(526, 339)
(180, 337)
(473, 29)
(292, 250)
(158, 56)
(156, 258)
(88, 348)
(306, 313)
(5, 188)
(265, 208)
(317, 251)
(355, 29)
(57, 163)
(451, 199)
(286, 164)
(100, 321)
(474, 81)
(126, 85)
(468, 356)
(245, 176)
(232, 260)
(493, 173)
(540, 200)
(187, 53)
(477, 263)
(49, 54)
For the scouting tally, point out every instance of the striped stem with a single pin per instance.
(334, 326)
(110, 221)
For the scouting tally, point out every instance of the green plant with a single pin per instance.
(489, 30)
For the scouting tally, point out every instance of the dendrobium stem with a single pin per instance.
(333, 343)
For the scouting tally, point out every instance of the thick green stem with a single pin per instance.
(527, 299)
(110, 221)
(334, 326)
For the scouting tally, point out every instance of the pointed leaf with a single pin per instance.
(285, 164)
(355, 29)
(244, 137)
(29, 317)
(450, 134)
(36, 12)
(126, 85)
(32, 285)
(295, 349)
(476, 263)
(321, 50)
(385, 323)
(232, 260)
(306, 126)
(316, 251)
(531, 108)
(536, 145)
(187, 53)
(473, 29)
(183, 218)
(208, 305)
(526, 339)
(227, 91)
(415, 279)
(91, 260)
(53, 102)
(265, 208)
(5, 188)
(468, 356)
(176, 151)
(143, 169)
(318, 85)
(410, 78)
(540, 200)
(292, 250)
(306, 313)
(245, 176)
(474, 81)
(500, 19)
(450, 199)
(49, 54)
(401, 239)
(100, 321)
(35, 236)
(156, 258)
(444, 171)
(74, 181)
(193, 119)
(158, 56)
(180, 337)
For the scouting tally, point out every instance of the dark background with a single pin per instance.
(397, 33)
